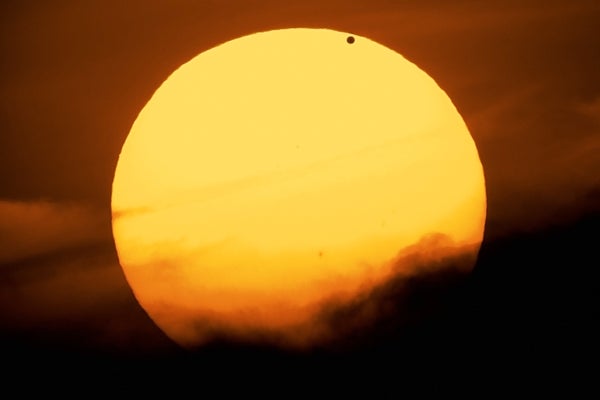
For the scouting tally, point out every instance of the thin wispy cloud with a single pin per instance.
(34, 228)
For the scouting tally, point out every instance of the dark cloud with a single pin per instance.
(423, 277)
(428, 275)
(528, 308)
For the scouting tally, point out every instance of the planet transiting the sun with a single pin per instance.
(282, 171)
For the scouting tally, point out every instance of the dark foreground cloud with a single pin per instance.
(427, 278)
(527, 309)
(408, 288)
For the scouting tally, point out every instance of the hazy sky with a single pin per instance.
(74, 75)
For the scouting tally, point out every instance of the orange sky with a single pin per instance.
(524, 78)
(74, 75)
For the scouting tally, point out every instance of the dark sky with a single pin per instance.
(523, 74)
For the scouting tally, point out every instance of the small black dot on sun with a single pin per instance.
(350, 39)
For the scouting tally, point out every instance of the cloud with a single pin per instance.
(423, 278)
(427, 276)
(481, 55)
(590, 109)
(61, 285)
(29, 229)
(77, 301)
(539, 148)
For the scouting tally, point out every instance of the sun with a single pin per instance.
(283, 170)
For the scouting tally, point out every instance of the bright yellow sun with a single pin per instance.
(283, 170)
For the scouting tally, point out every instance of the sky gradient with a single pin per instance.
(74, 75)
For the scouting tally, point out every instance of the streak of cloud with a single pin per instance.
(29, 229)
(539, 166)
(61, 285)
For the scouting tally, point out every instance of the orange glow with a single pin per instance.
(284, 169)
